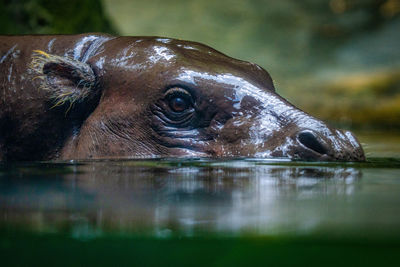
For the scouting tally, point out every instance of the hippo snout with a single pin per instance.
(338, 147)
(312, 142)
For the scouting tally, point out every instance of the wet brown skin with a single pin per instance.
(146, 97)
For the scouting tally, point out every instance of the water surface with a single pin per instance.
(220, 211)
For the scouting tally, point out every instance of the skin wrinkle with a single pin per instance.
(170, 122)
(116, 134)
(119, 128)
(180, 137)
(94, 144)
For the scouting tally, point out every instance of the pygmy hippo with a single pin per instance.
(95, 96)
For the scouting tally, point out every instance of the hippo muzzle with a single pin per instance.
(100, 96)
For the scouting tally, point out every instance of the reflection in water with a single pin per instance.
(187, 196)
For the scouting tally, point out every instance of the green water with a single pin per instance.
(203, 212)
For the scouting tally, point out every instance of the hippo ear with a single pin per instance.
(66, 79)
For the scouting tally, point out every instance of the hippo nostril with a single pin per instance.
(309, 140)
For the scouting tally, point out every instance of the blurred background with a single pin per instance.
(336, 59)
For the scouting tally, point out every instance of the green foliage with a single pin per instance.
(53, 17)
(288, 37)
(363, 100)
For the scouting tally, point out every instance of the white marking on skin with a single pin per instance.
(245, 88)
(16, 53)
(188, 76)
(50, 44)
(351, 139)
(163, 40)
(161, 53)
(189, 47)
(238, 123)
(124, 57)
(79, 46)
(284, 148)
(3, 58)
(236, 105)
(339, 133)
(94, 46)
(9, 73)
(100, 63)
(265, 127)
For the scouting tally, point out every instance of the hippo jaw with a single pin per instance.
(170, 98)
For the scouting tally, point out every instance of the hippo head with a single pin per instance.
(169, 98)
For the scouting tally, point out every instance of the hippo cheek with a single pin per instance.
(232, 139)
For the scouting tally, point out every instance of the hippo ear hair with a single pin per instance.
(67, 80)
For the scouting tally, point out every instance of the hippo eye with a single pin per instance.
(179, 100)
(178, 104)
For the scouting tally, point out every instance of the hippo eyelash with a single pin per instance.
(177, 91)
(182, 93)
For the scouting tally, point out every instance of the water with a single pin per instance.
(215, 211)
